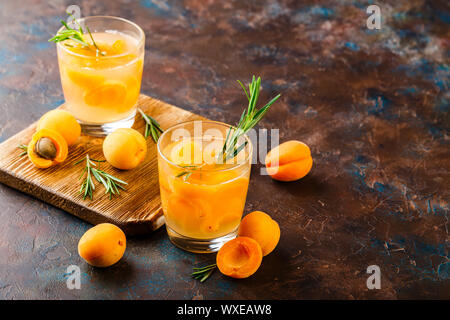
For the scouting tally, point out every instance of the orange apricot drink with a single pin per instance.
(201, 199)
(102, 88)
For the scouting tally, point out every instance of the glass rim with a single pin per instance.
(141, 39)
(232, 167)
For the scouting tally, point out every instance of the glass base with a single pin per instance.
(199, 245)
(101, 130)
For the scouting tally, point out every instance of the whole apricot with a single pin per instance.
(262, 228)
(289, 161)
(102, 245)
(125, 148)
(62, 122)
(239, 258)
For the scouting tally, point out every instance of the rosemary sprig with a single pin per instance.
(69, 34)
(189, 170)
(93, 42)
(151, 127)
(24, 148)
(186, 174)
(75, 35)
(90, 171)
(203, 273)
(249, 118)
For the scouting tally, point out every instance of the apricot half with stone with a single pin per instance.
(47, 148)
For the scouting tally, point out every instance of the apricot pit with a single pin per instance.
(47, 148)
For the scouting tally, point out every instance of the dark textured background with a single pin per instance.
(371, 104)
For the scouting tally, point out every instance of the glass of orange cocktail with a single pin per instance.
(101, 87)
(202, 196)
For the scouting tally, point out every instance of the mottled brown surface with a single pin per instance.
(371, 104)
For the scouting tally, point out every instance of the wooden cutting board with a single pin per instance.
(136, 210)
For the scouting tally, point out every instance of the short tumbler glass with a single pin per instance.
(102, 90)
(202, 199)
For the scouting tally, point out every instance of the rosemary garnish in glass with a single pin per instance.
(151, 126)
(249, 118)
(77, 36)
(190, 168)
(203, 273)
(90, 171)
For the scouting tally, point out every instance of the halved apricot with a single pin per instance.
(110, 94)
(84, 79)
(133, 91)
(165, 185)
(229, 221)
(184, 215)
(234, 188)
(139, 68)
(118, 47)
(289, 161)
(262, 228)
(239, 258)
(47, 148)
